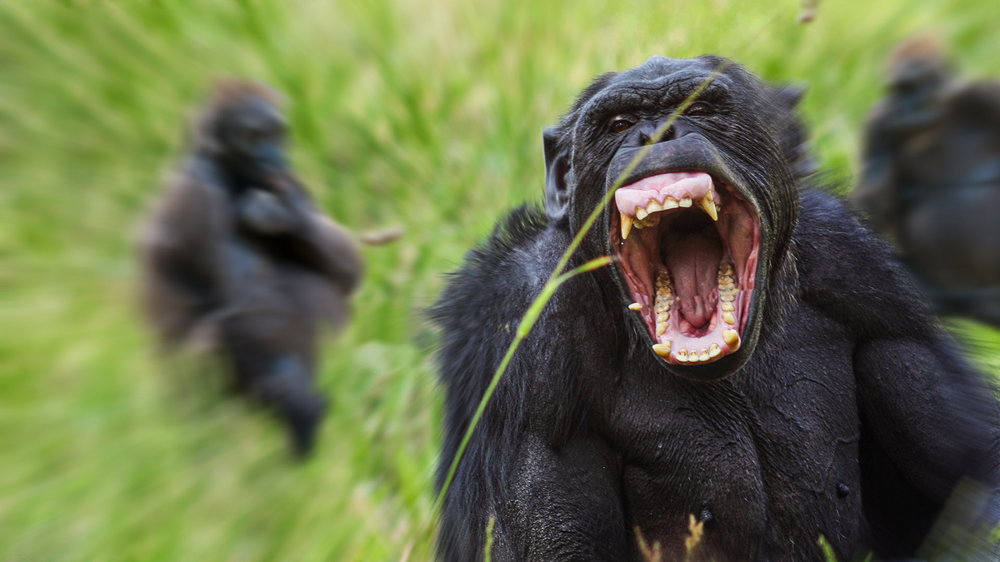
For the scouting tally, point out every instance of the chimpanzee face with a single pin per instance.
(253, 137)
(698, 223)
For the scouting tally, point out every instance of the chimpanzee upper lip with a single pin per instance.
(688, 241)
(690, 153)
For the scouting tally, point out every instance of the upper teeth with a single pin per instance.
(707, 203)
(626, 225)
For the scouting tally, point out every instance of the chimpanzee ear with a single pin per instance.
(791, 94)
(556, 170)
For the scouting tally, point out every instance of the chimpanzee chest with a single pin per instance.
(765, 462)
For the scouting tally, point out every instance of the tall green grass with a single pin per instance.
(404, 112)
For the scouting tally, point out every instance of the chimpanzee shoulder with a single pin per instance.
(480, 309)
(539, 399)
(851, 274)
(506, 266)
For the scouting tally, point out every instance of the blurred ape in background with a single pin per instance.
(237, 259)
(930, 178)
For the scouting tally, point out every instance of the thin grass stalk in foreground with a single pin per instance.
(488, 550)
(557, 278)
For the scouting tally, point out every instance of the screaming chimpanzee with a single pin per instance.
(237, 255)
(755, 358)
(931, 180)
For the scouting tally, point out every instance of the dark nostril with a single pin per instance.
(667, 135)
(647, 133)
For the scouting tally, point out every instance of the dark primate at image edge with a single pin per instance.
(236, 258)
(930, 179)
(824, 401)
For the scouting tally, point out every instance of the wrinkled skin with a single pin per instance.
(931, 183)
(237, 259)
(843, 412)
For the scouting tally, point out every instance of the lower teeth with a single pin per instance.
(664, 300)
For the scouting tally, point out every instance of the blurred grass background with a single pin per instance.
(425, 114)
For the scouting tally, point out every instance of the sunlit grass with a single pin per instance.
(423, 114)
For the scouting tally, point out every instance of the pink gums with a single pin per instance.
(677, 185)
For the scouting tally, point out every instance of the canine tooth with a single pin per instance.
(732, 338)
(682, 355)
(703, 356)
(662, 349)
(728, 307)
(686, 201)
(626, 225)
(708, 203)
(728, 318)
(669, 203)
(714, 350)
(661, 328)
(635, 306)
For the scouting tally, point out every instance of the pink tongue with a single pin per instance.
(693, 262)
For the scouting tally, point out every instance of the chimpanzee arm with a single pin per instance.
(311, 236)
(876, 192)
(331, 250)
(552, 486)
(263, 213)
(927, 419)
(979, 100)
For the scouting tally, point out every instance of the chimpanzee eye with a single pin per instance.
(620, 124)
(699, 108)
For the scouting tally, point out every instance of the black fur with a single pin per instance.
(930, 179)
(853, 417)
(238, 260)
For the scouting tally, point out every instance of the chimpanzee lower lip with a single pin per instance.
(688, 245)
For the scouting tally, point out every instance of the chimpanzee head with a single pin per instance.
(917, 69)
(244, 129)
(702, 223)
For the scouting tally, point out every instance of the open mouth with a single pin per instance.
(688, 245)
